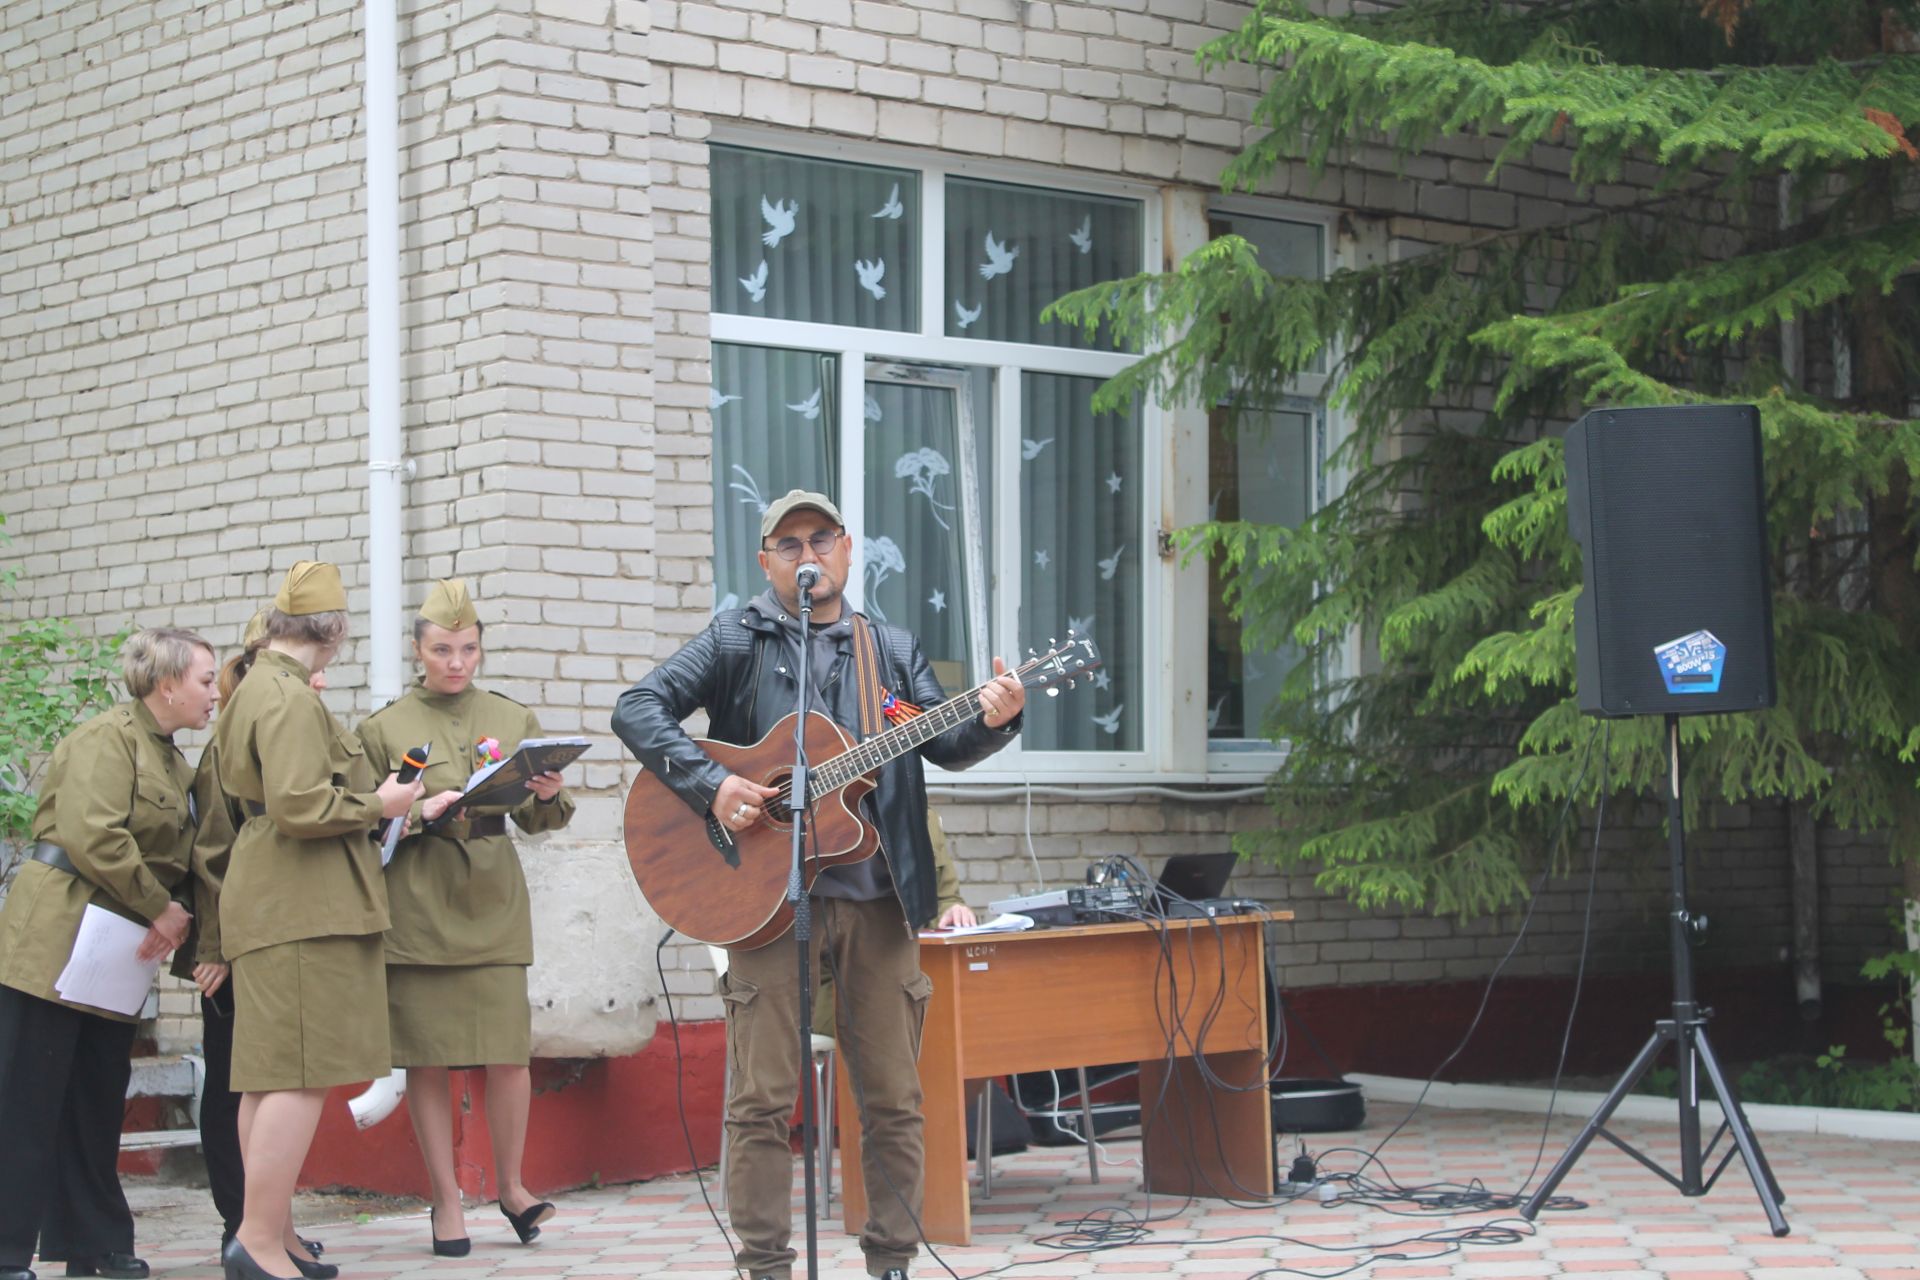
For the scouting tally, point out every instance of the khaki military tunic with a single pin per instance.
(115, 797)
(304, 864)
(221, 818)
(302, 904)
(462, 931)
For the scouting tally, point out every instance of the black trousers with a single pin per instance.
(63, 1091)
(220, 1109)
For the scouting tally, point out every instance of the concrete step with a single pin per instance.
(171, 1077)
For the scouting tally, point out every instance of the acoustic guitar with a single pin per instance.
(729, 888)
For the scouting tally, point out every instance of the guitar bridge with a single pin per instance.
(723, 842)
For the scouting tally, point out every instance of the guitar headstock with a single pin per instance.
(1064, 663)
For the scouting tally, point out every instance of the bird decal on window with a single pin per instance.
(963, 317)
(892, 208)
(1030, 449)
(1083, 238)
(870, 274)
(999, 258)
(1110, 722)
(779, 218)
(1111, 564)
(715, 398)
(756, 284)
(810, 408)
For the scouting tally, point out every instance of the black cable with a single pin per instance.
(680, 1097)
(1580, 971)
(1486, 994)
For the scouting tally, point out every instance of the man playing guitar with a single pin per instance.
(741, 671)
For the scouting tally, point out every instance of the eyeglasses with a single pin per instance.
(822, 543)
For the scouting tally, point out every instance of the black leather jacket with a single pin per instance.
(740, 671)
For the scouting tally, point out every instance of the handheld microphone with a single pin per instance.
(808, 577)
(411, 763)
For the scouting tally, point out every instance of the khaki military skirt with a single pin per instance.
(459, 1015)
(310, 1014)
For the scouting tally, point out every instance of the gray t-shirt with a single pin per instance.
(869, 879)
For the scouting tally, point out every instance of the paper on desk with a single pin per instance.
(103, 972)
(1005, 923)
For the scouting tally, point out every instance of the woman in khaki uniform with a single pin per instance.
(114, 829)
(204, 962)
(462, 933)
(302, 907)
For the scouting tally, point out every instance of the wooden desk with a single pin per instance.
(1054, 998)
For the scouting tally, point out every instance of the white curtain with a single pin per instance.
(844, 240)
(1080, 494)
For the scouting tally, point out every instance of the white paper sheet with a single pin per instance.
(1006, 923)
(103, 972)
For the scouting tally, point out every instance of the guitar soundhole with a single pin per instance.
(776, 810)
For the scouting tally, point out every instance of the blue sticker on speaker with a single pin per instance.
(1692, 664)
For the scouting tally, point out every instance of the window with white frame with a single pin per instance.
(1266, 464)
(877, 336)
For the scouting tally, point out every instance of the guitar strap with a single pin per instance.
(866, 670)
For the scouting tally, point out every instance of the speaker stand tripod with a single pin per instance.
(1686, 1030)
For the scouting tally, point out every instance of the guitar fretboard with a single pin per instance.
(893, 743)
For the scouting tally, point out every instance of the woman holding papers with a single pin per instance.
(462, 933)
(302, 908)
(113, 835)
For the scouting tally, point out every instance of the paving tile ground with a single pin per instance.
(1853, 1204)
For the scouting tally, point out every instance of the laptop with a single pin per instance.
(1196, 878)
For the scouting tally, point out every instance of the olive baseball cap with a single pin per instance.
(798, 500)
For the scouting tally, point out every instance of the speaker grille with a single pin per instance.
(1669, 508)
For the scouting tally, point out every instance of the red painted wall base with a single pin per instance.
(618, 1119)
(593, 1121)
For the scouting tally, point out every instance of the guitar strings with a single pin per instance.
(950, 714)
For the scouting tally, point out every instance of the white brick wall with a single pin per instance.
(181, 355)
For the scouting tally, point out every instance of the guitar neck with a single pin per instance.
(895, 742)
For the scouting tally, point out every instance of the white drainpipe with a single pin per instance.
(387, 468)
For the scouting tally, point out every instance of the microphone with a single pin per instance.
(808, 577)
(411, 763)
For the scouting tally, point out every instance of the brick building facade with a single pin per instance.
(183, 392)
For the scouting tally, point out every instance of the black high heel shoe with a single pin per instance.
(310, 1269)
(237, 1264)
(459, 1248)
(526, 1223)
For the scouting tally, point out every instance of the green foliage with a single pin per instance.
(51, 676)
(1430, 776)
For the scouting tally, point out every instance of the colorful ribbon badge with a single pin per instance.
(487, 750)
(896, 709)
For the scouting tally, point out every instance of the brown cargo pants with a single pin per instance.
(881, 1005)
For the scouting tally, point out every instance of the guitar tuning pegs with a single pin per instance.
(1053, 691)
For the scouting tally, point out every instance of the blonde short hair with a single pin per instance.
(328, 630)
(158, 654)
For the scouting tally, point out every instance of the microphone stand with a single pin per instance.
(798, 898)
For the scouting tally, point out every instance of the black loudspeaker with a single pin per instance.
(1669, 508)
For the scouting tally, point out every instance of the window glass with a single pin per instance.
(796, 238)
(1261, 468)
(1285, 248)
(775, 428)
(1080, 495)
(1012, 250)
(921, 552)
